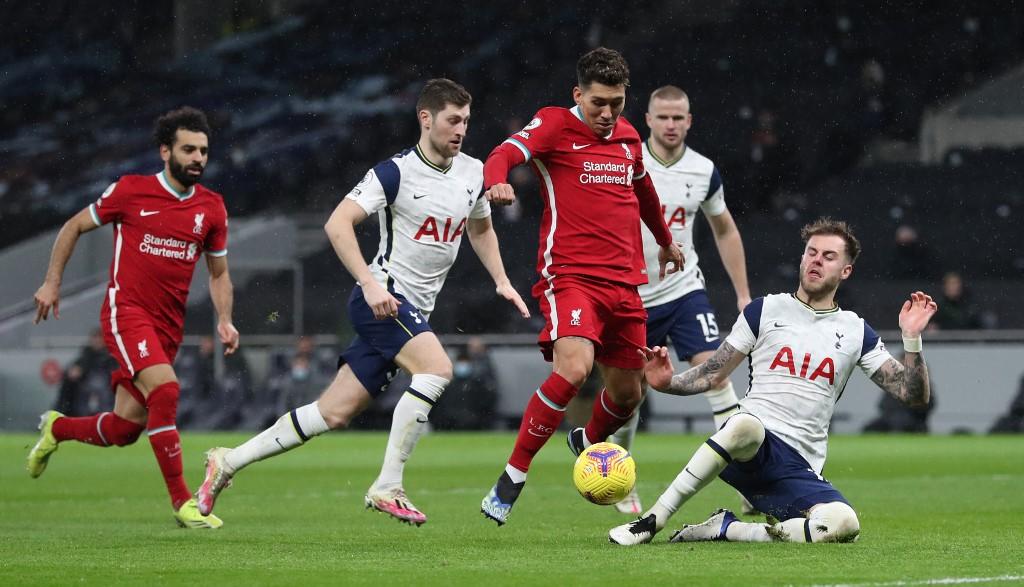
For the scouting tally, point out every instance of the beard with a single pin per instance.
(180, 173)
(444, 149)
(819, 286)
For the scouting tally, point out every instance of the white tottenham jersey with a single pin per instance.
(422, 209)
(689, 183)
(800, 361)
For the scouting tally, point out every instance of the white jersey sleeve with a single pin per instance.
(873, 353)
(742, 337)
(714, 204)
(370, 193)
(482, 208)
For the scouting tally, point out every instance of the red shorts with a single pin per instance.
(136, 342)
(607, 313)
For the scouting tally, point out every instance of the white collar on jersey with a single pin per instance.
(579, 114)
(170, 189)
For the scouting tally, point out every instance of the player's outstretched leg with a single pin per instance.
(103, 429)
(543, 414)
(724, 404)
(290, 430)
(828, 522)
(624, 437)
(739, 439)
(408, 423)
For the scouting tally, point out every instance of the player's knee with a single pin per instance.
(575, 373)
(741, 436)
(444, 370)
(429, 386)
(834, 522)
(336, 417)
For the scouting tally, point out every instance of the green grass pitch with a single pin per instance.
(932, 509)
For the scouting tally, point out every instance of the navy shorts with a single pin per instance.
(371, 354)
(780, 482)
(688, 321)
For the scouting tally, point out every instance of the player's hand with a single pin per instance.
(508, 292)
(380, 300)
(658, 368)
(47, 296)
(228, 336)
(741, 302)
(916, 313)
(500, 194)
(673, 255)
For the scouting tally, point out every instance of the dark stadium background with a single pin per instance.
(808, 108)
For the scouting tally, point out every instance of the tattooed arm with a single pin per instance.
(906, 381)
(711, 374)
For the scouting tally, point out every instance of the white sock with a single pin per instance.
(290, 430)
(624, 436)
(408, 423)
(747, 532)
(723, 403)
(515, 474)
(703, 467)
(791, 530)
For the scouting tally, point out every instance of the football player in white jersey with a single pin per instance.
(425, 199)
(802, 349)
(677, 306)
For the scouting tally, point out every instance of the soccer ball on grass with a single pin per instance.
(604, 473)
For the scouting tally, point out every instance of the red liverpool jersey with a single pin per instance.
(591, 221)
(159, 235)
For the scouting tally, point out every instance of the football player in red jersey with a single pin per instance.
(590, 165)
(162, 224)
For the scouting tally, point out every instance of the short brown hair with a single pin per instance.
(667, 93)
(438, 93)
(828, 226)
(166, 127)
(604, 66)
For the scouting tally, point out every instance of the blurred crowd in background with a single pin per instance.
(807, 108)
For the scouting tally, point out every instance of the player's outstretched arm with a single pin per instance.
(485, 243)
(730, 249)
(908, 381)
(222, 293)
(340, 229)
(48, 295)
(711, 374)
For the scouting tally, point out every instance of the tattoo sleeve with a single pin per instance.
(906, 381)
(708, 375)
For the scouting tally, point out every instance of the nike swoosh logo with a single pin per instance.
(777, 325)
(423, 421)
(278, 441)
(576, 147)
(418, 196)
(148, 213)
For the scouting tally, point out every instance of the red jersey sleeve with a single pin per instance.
(537, 138)
(216, 244)
(110, 206)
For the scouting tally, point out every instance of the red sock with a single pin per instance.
(163, 437)
(103, 429)
(606, 418)
(540, 420)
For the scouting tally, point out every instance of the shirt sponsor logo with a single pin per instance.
(168, 248)
(602, 173)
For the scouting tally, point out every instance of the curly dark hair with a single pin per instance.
(186, 117)
(604, 66)
(828, 226)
